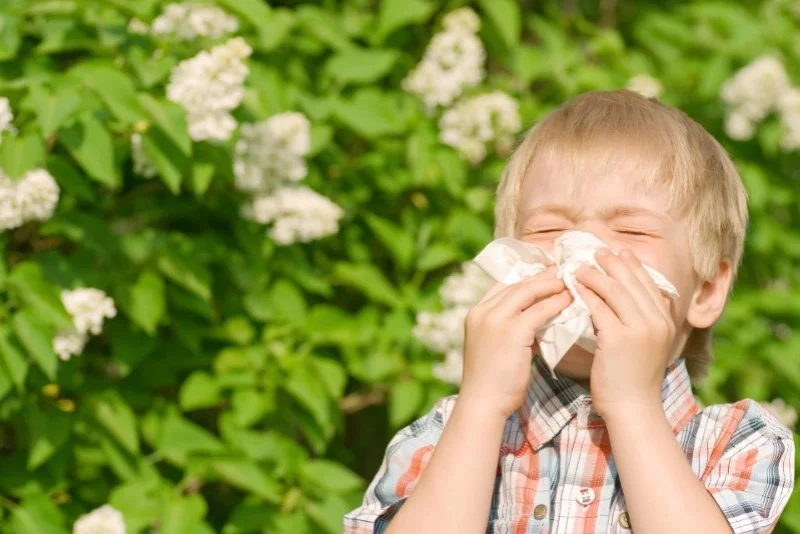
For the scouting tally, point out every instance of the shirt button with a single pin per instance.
(625, 520)
(585, 496)
(540, 511)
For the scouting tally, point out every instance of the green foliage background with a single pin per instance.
(247, 387)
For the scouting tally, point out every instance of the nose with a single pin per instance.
(596, 227)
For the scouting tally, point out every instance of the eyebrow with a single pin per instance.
(612, 212)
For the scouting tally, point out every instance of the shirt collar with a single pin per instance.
(552, 401)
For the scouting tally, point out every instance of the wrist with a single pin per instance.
(634, 409)
(479, 410)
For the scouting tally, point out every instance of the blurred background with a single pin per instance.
(236, 234)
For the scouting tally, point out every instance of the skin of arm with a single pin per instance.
(454, 492)
(662, 493)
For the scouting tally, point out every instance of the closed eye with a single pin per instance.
(547, 231)
(633, 232)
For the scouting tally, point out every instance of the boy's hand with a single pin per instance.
(635, 332)
(499, 341)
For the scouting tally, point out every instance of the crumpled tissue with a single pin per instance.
(510, 260)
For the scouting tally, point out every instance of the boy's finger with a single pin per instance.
(537, 315)
(492, 291)
(620, 270)
(602, 315)
(618, 299)
(647, 281)
(506, 289)
(526, 293)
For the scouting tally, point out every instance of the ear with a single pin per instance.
(709, 298)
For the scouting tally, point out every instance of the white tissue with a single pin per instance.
(510, 260)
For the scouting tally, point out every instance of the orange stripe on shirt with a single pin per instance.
(600, 455)
(407, 481)
(531, 481)
(736, 416)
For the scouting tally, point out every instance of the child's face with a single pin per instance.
(619, 212)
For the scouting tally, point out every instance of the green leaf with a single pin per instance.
(10, 36)
(31, 287)
(283, 301)
(324, 26)
(113, 87)
(438, 255)
(148, 301)
(305, 386)
(53, 110)
(21, 154)
(202, 174)
(329, 475)
(170, 118)
(394, 14)
(357, 65)
(187, 273)
(48, 431)
(368, 279)
(505, 17)
(370, 113)
(151, 69)
(255, 11)
(199, 390)
(246, 474)
(332, 374)
(184, 514)
(37, 514)
(328, 513)
(114, 414)
(405, 398)
(91, 145)
(140, 502)
(249, 515)
(273, 30)
(166, 157)
(179, 437)
(14, 364)
(399, 241)
(36, 336)
(250, 405)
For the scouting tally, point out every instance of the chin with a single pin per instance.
(576, 364)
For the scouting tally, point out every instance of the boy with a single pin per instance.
(615, 442)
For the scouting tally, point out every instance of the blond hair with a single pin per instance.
(697, 174)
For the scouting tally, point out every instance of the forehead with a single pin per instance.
(587, 182)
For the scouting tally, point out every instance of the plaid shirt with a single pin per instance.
(556, 474)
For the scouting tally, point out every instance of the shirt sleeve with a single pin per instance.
(751, 475)
(406, 457)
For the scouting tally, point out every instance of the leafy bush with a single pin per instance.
(222, 229)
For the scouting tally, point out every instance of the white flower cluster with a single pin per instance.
(32, 198)
(452, 61)
(271, 153)
(188, 21)
(209, 86)
(89, 307)
(789, 106)
(444, 332)
(645, 85)
(103, 520)
(269, 161)
(6, 117)
(785, 413)
(472, 123)
(142, 164)
(755, 91)
(297, 213)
